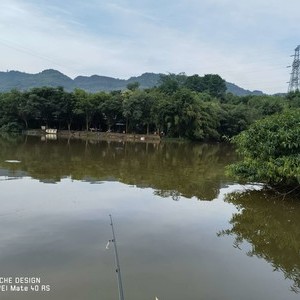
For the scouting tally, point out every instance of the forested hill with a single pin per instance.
(53, 78)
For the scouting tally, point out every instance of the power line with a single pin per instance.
(28, 51)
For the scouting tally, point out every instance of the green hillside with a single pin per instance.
(53, 78)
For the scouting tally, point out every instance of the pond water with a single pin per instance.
(182, 231)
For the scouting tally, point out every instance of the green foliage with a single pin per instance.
(271, 150)
(294, 99)
(171, 83)
(111, 108)
(132, 86)
(189, 107)
(186, 113)
(137, 110)
(234, 119)
(12, 127)
(211, 84)
(214, 85)
(195, 83)
(8, 112)
(85, 105)
(266, 105)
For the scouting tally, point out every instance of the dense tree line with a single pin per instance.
(192, 107)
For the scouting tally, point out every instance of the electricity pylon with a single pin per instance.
(294, 82)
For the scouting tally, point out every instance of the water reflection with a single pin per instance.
(170, 249)
(172, 169)
(270, 226)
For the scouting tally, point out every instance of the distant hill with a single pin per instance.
(236, 90)
(24, 81)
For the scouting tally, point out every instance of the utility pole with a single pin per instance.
(294, 83)
(118, 270)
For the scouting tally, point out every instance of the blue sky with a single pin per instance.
(246, 42)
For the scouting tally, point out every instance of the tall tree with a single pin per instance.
(111, 108)
(214, 85)
(171, 83)
(195, 83)
(26, 108)
(132, 86)
(67, 109)
(84, 106)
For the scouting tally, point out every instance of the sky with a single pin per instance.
(246, 42)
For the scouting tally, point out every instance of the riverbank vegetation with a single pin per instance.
(186, 107)
(189, 107)
(271, 152)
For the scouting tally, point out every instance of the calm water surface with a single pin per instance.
(181, 233)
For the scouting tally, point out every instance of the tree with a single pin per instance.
(132, 86)
(67, 108)
(234, 119)
(148, 110)
(270, 149)
(111, 108)
(45, 102)
(294, 99)
(159, 111)
(189, 115)
(186, 113)
(195, 83)
(84, 106)
(171, 83)
(26, 108)
(267, 105)
(214, 85)
(133, 110)
(8, 113)
(211, 84)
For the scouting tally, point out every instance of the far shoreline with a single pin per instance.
(98, 135)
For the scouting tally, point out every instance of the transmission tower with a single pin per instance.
(294, 82)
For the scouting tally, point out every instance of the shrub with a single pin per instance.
(271, 151)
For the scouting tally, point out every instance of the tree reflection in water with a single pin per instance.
(171, 169)
(272, 228)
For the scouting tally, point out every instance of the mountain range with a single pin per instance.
(24, 81)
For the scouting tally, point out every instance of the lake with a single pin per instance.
(184, 229)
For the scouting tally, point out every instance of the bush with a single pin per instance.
(13, 127)
(271, 151)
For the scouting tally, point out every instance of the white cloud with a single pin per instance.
(241, 41)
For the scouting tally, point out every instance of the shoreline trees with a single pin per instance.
(189, 107)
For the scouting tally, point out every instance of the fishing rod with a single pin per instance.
(118, 269)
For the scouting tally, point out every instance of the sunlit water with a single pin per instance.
(179, 235)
